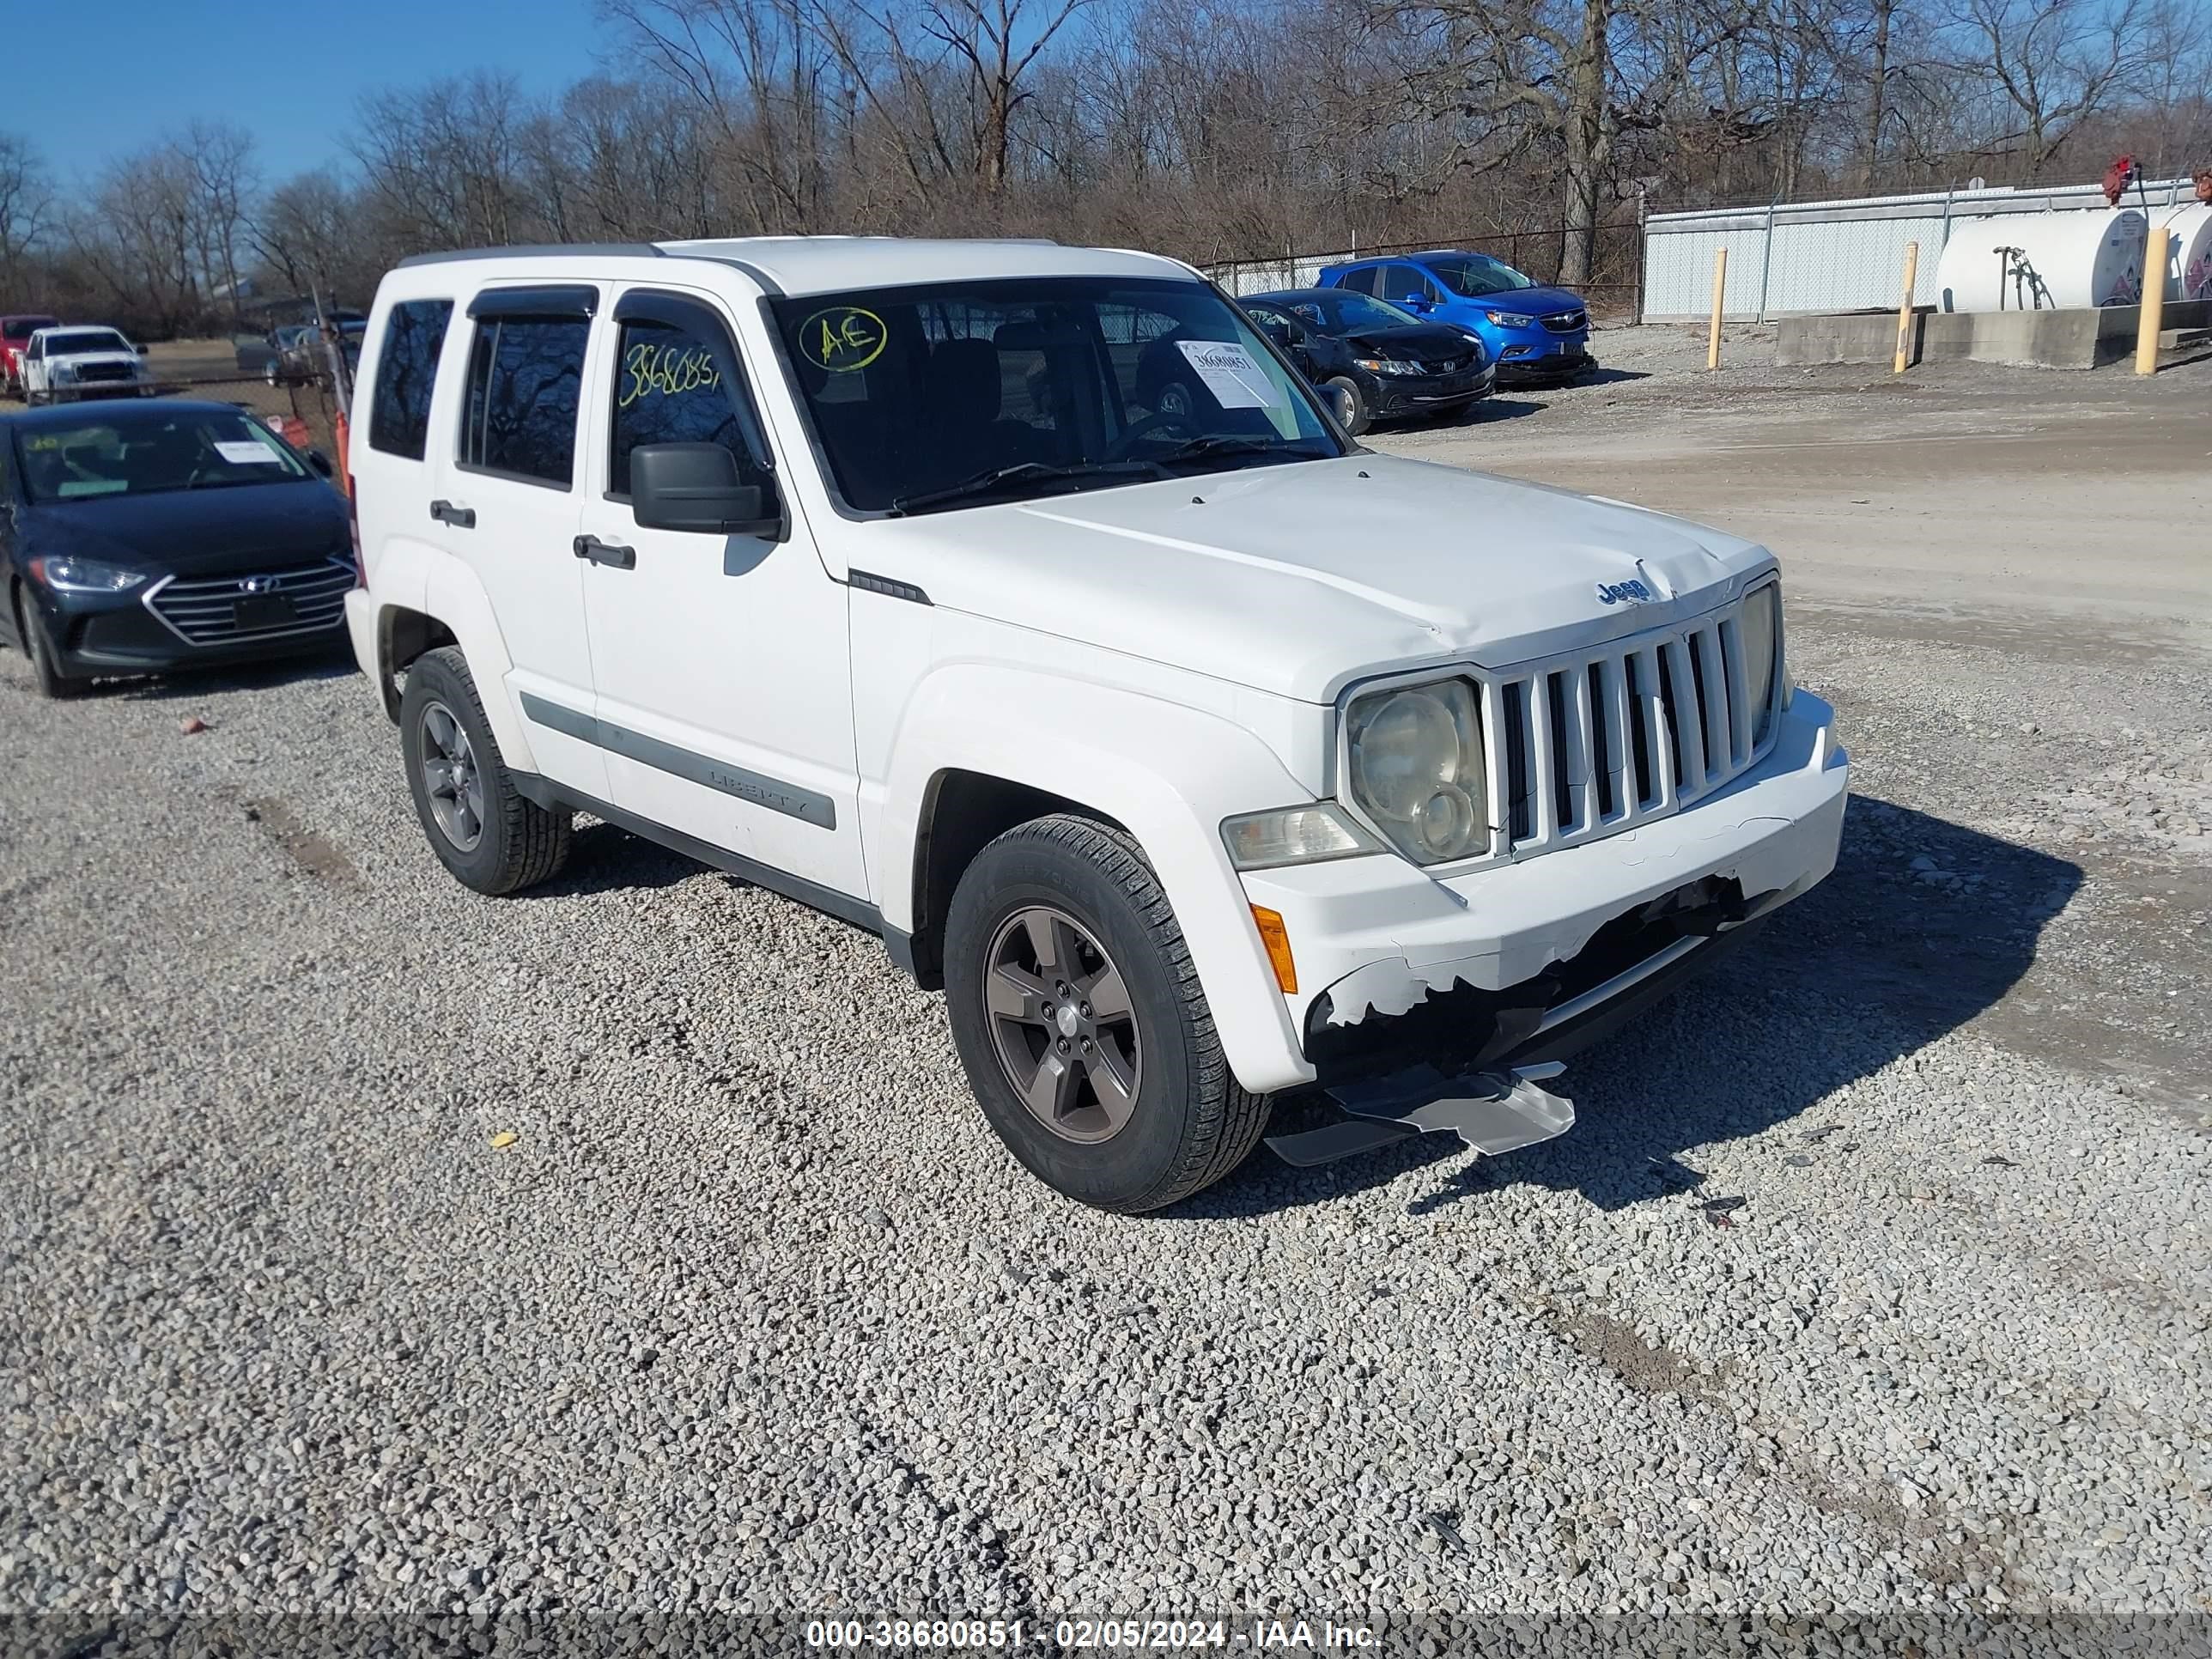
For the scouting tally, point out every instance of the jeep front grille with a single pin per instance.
(203, 609)
(1586, 745)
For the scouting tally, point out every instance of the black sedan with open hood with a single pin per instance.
(1374, 361)
(137, 539)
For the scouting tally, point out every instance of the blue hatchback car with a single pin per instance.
(1533, 333)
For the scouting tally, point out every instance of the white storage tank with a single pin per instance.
(2044, 261)
(2188, 249)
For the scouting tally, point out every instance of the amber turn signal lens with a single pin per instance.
(1277, 938)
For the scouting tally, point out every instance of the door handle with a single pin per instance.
(606, 553)
(461, 518)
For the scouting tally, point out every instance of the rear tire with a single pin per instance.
(494, 840)
(47, 671)
(1350, 403)
(1163, 1116)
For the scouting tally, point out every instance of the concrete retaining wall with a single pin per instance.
(2033, 339)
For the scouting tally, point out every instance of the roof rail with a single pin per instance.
(603, 249)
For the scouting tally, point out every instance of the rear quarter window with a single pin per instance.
(406, 372)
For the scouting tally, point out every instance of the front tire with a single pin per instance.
(494, 840)
(1350, 403)
(46, 673)
(1081, 1023)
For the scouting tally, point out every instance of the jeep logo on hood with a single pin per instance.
(1631, 592)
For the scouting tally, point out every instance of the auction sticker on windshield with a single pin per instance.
(249, 454)
(1231, 375)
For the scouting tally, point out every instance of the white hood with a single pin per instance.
(80, 358)
(1297, 579)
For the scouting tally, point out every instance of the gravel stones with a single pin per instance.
(753, 1316)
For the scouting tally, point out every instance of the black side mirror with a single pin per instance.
(697, 487)
(143, 350)
(320, 462)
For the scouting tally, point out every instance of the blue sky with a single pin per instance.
(289, 77)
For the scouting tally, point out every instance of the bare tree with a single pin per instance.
(1578, 73)
(26, 205)
(223, 181)
(137, 235)
(997, 41)
(1877, 93)
(2050, 64)
(1209, 129)
(759, 76)
(445, 160)
(307, 234)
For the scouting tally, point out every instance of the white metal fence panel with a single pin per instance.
(1801, 257)
(1832, 265)
(1679, 268)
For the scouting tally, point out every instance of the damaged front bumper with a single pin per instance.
(1450, 985)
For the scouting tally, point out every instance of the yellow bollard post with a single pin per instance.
(2152, 318)
(1904, 309)
(1720, 289)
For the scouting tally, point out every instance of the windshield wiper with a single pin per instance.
(1207, 449)
(1021, 472)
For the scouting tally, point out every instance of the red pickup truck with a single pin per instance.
(15, 334)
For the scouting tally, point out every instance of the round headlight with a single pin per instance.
(1416, 768)
(1762, 631)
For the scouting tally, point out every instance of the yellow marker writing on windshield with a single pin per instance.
(842, 338)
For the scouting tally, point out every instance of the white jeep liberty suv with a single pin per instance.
(1021, 605)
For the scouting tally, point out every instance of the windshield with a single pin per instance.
(1340, 311)
(1476, 274)
(928, 398)
(150, 452)
(71, 342)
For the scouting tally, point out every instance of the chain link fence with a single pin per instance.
(210, 369)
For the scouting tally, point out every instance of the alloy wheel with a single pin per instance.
(450, 777)
(1062, 1024)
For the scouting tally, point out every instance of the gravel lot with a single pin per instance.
(1873, 1280)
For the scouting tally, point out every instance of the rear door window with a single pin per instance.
(406, 371)
(525, 377)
